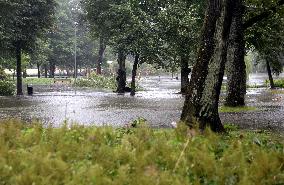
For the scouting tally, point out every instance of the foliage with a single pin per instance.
(33, 154)
(97, 81)
(267, 36)
(177, 25)
(3, 75)
(24, 21)
(7, 88)
(278, 83)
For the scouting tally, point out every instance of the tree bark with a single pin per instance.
(236, 67)
(201, 104)
(134, 72)
(51, 69)
(100, 59)
(121, 74)
(184, 74)
(38, 70)
(45, 71)
(272, 86)
(19, 69)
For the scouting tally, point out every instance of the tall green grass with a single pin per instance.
(33, 154)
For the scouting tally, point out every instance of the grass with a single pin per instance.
(33, 154)
(277, 91)
(226, 109)
(38, 81)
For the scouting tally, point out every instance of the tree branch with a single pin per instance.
(262, 15)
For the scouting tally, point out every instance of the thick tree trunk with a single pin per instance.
(236, 67)
(134, 72)
(184, 74)
(38, 70)
(121, 74)
(51, 69)
(201, 104)
(272, 86)
(19, 70)
(100, 59)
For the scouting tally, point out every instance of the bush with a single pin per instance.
(97, 81)
(277, 83)
(7, 88)
(3, 76)
(36, 154)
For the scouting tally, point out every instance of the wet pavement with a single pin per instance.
(159, 104)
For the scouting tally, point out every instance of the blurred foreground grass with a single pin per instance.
(33, 154)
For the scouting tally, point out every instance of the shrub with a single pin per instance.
(3, 76)
(277, 83)
(36, 154)
(97, 81)
(7, 88)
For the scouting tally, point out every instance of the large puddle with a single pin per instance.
(159, 104)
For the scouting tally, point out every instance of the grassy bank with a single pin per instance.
(89, 155)
(225, 109)
(38, 81)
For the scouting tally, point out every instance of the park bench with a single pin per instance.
(62, 81)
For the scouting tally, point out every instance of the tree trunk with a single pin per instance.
(45, 71)
(38, 70)
(51, 69)
(100, 59)
(236, 67)
(121, 74)
(19, 70)
(201, 104)
(272, 86)
(25, 73)
(184, 74)
(134, 72)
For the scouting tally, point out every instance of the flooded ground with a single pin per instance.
(159, 104)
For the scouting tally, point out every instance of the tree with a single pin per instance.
(40, 54)
(99, 15)
(178, 23)
(267, 39)
(255, 12)
(201, 104)
(21, 23)
(236, 68)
